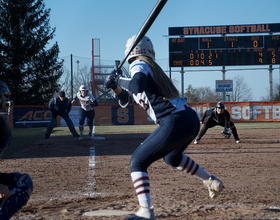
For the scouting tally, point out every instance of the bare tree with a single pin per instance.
(276, 96)
(84, 78)
(65, 82)
(202, 94)
(241, 91)
(206, 94)
(276, 93)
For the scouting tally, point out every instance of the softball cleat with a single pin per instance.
(143, 214)
(237, 140)
(196, 141)
(214, 185)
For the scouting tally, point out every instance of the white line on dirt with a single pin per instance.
(91, 173)
(108, 213)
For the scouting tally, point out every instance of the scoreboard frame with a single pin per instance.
(224, 51)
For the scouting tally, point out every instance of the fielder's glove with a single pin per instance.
(226, 133)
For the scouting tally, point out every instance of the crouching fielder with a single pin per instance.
(178, 123)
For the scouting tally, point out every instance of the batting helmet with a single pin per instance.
(220, 105)
(83, 87)
(143, 48)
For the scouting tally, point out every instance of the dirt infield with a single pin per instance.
(73, 177)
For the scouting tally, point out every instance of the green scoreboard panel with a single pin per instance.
(224, 51)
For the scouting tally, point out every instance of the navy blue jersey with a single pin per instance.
(149, 97)
(58, 107)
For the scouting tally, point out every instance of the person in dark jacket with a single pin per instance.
(218, 116)
(60, 106)
(15, 188)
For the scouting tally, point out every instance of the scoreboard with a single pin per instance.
(224, 51)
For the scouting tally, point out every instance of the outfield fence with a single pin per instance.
(39, 116)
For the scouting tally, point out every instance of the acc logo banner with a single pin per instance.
(25, 117)
(123, 116)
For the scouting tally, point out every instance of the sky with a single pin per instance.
(114, 21)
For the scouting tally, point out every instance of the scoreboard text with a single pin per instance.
(224, 51)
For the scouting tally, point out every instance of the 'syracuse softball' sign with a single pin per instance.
(224, 86)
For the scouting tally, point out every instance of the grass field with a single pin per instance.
(23, 136)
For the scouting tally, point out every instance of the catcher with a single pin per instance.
(218, 116)
(15, 188)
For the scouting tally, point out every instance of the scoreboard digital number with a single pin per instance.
(224, 51)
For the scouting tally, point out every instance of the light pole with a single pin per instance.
(77, 74)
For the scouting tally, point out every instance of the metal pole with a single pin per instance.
(224, 77)
(71, 58)
(182, 82)
(92, 68)
(270, 84)
(77, 74)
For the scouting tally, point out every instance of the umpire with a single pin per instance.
(218, 116)
(60, 106)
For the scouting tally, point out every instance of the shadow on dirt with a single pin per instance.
(68, 146)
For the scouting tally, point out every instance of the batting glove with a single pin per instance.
(116, 72)
(110, 82)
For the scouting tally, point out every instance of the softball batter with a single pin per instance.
(86, 110)
(152, 90)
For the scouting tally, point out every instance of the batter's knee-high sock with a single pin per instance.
(188, 165)
(81, 129)
(142, 186)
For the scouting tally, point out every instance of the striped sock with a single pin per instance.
(188, 165)
(142, 186)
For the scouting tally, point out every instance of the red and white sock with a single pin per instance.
(142, 186)
(189, 166)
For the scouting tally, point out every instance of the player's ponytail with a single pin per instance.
(165, 85)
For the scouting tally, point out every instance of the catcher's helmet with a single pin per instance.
(220, 105)
(83, 87)
(143, 48)
(4, 93)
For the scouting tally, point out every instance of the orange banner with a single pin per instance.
(244, 111)
(38, 116)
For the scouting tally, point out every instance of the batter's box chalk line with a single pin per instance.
(108, 213)
(97, 138)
